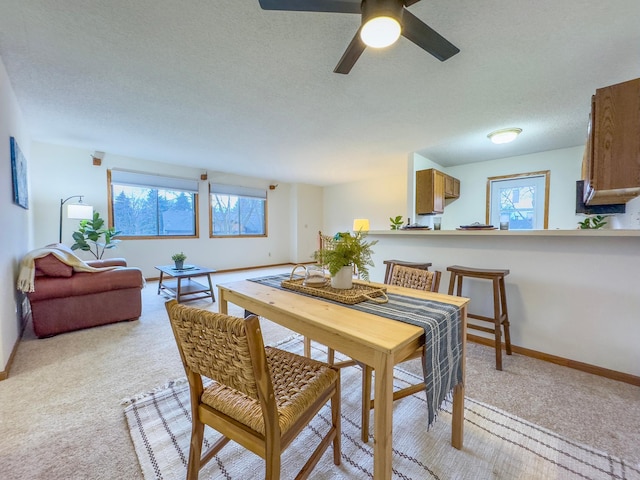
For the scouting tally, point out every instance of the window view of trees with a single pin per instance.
(519, 205)
(142, 211)
(237, 215)
(523, 198)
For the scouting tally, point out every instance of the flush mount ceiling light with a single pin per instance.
(505, 135)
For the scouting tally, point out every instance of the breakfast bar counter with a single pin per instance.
(573, 295)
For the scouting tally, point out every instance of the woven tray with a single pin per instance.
(359, 293)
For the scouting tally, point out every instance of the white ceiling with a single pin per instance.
(225, 86)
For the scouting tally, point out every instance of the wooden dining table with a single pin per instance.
(371, 339)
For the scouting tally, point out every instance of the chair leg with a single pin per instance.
(366, 402)
(272, 461)
(497, 323)
(505, 315)
(307, 347)
(335, 420)
(452, 282)
(331, 353)
(197, 436)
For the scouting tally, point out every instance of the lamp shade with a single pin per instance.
(80, 211)
(361, 224)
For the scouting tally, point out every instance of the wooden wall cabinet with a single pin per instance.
(611, 163)
(429, 191)
(451, 187)
(432, 187)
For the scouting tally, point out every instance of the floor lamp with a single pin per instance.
(75, 210)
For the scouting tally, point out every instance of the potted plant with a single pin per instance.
(342, 254)
(89, 234)
(179, 259)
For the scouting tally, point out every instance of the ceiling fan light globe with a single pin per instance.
(380, 32)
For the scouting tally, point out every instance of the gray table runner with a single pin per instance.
(442, 365)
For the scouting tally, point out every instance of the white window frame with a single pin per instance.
(540, 179)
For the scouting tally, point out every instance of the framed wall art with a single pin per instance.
(19, 174)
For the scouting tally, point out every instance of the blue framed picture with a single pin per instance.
(19, 174)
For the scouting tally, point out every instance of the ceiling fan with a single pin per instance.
(374, 13)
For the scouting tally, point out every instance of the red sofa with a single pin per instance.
(66, 300)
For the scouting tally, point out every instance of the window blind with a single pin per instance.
(237, 190)
(136, 179)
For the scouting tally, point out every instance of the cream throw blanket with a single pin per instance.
(28, 266)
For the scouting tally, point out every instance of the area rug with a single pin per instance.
(497, 445)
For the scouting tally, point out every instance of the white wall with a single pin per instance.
(307, 207)
(60, 172)
(630, 219)
(16, 221)
(375, 199)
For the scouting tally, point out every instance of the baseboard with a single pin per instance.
(565, 362)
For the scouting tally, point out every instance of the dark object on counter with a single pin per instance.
(595, 209)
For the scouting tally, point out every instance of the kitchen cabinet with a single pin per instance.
(451, 187)
(611, 162)
(429, 191)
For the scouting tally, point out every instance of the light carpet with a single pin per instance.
(497, 445)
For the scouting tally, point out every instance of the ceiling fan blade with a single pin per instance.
(338, 6)
(426, 37)
(351, 55)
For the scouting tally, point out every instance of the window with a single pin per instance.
(237, 211)
(145, 205)
(523, 199)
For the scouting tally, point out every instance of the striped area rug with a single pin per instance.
(497, 445)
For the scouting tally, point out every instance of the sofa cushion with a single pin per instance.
(86, 283)
(53, 267)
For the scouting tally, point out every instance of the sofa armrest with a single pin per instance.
(109, 262)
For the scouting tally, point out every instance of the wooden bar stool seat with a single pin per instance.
(500, 319)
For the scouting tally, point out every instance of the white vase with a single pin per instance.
(343, 279)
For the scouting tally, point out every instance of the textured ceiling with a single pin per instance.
(225, 86)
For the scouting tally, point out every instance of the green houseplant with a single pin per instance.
(179, 259)
(89, 236)
(343, 253)
(396, 222)
(593, 223)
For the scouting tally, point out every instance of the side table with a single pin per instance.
(183, 284)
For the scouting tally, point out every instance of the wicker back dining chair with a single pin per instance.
(261, 398)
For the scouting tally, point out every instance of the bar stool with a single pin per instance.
(500, 314)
